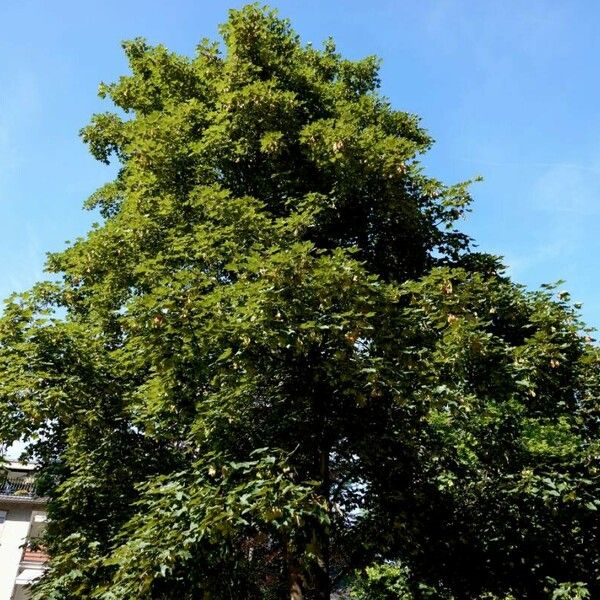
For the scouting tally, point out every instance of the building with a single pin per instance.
(22, 521)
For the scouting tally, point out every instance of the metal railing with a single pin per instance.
(18, 487)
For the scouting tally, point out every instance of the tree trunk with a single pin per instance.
(320, 585)
(295, 583)
(320, 535)
(317, 577)
(295, 579)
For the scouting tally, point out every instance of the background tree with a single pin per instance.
(276, 361)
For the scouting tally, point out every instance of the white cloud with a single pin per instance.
(569, 188)
(19, 106)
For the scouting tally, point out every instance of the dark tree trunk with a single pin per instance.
(320, 535)
(296, 585)
(313, 576)
(294, 574)
(321, 587)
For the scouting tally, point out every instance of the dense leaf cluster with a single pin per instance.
(276, 362)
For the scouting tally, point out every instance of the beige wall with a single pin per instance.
(20, 594)
(12, 535)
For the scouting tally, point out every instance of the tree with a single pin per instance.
(276, 361)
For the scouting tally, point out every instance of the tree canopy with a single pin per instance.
(277, 369)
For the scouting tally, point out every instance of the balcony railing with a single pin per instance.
(34, 556)
(17, 487)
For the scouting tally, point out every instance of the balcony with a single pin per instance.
(37, 556)
(17, 487)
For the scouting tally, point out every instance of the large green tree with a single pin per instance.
(276, 362)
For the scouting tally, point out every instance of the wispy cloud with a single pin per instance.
(456, 25)
(567, 188)
(558, 187)
(520, 264)
(563, 207)
(560, 204)
(19, 105)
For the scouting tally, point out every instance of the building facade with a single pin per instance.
(22, 522)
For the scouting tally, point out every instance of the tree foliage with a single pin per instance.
(276, 362)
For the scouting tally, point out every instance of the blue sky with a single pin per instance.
(509, 89)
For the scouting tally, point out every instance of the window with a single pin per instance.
(2, 516)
